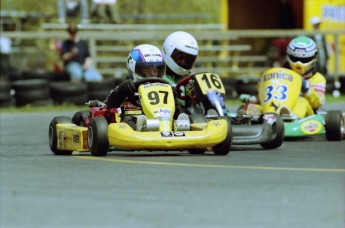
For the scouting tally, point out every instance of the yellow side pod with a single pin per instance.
(71, 137)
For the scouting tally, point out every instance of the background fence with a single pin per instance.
(228, 53)
(239, 57)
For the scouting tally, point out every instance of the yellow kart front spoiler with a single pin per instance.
(122, 136)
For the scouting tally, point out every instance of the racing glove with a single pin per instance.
(119, 94)
(305, 86)
(127, 87)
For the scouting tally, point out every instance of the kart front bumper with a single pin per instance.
(123, 137)
(252, 134)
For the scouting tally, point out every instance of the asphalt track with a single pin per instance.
(301, 184)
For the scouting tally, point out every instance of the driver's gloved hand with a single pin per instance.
(305, 86)
(119, 94)
(127, 87)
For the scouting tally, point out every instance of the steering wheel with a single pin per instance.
(184, 81)
(147, 80)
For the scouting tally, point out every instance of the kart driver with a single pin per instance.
(143, 61)
(180, 51)
(301, 58)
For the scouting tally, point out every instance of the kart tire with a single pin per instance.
(100, 95)
(277, 130)
(67, 92)
(105, 84)
(99, 90)
(37, 97)
(53, 135)
(330, 86)
(224, 147)
(97, 136)
(30, 84)
(27, 75)
(32, 91)
(6, 98)
(342, 84)
(5, 86)
(334, 126)
(79, 117)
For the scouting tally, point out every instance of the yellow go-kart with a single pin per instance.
(279, 92)
(101, 129)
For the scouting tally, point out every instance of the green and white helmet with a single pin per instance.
(302, 54)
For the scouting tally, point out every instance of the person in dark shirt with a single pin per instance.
(76, 57)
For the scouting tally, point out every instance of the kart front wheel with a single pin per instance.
(53, 135)
(334, 126)
(224, 147)
(277, 130)
(97, 136)
(78, 117)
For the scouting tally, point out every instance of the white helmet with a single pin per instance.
(180, 45)
(144, 60)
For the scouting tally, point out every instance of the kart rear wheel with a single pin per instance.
(277, 130)
(97, 136)
(79, 117)
(224, 147)
(53, 135)
(334, 126)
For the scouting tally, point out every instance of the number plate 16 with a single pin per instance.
(209, 82)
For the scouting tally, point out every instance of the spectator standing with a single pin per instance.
(106, 10)
(320, 40)
(72, 8)
(75, 55)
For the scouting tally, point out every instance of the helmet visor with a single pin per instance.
(182, 59)
(150, 69)
(302, 60)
